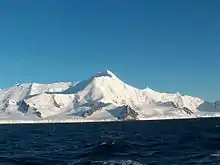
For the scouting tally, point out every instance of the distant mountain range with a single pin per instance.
(102, 97)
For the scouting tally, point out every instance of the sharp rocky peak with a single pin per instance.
(106, 73)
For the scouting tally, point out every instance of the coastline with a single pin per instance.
(68, 121)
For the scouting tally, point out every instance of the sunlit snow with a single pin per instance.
(102, 97)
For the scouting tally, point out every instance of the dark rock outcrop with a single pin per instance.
(174, 104)
(23, 106)
(4, 105)
(188, 111)
(36, 112)
(55, 103)
(26, 108)
(128, 113)
(185, 109)
(88, 113)
(95, 106)
(217, 104)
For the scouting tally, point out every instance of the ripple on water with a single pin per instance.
(124, 143)
(109, 162)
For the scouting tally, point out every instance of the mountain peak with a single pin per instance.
(106, 73)
(148, 89)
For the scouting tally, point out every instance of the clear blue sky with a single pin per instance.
(168, 45)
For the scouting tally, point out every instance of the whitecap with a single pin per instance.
(216, 154)
(112, 162)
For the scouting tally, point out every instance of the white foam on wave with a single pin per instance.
(216, 154)
(116, 162)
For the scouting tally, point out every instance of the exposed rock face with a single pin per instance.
(185, 109)
(102, 96)
(4, 105)
(55, 102)
(188, 111)
(174, 105)
(94, 107)
(37, 113)
(23, 106)
(128, 113)
(26, 108)
(88, 113)
(217, 104)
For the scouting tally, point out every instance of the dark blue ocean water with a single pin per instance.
(137, 142)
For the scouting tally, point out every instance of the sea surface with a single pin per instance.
(165, 142)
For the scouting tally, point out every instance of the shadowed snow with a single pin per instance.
(101, 97)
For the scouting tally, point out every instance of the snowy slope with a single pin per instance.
(22, 91)
(181, 101)
(105, 86)
(10, 98)
(52, 88)
(101, 97)
(50, 104)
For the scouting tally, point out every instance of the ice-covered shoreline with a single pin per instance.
(66, 121)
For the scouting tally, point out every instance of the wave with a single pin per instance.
(108, 162)
(23, 161)
(41, 161)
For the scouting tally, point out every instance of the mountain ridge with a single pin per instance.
(102, 96)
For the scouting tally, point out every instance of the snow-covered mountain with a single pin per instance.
(101, 97)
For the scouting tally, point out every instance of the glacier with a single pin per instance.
(102, 97)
